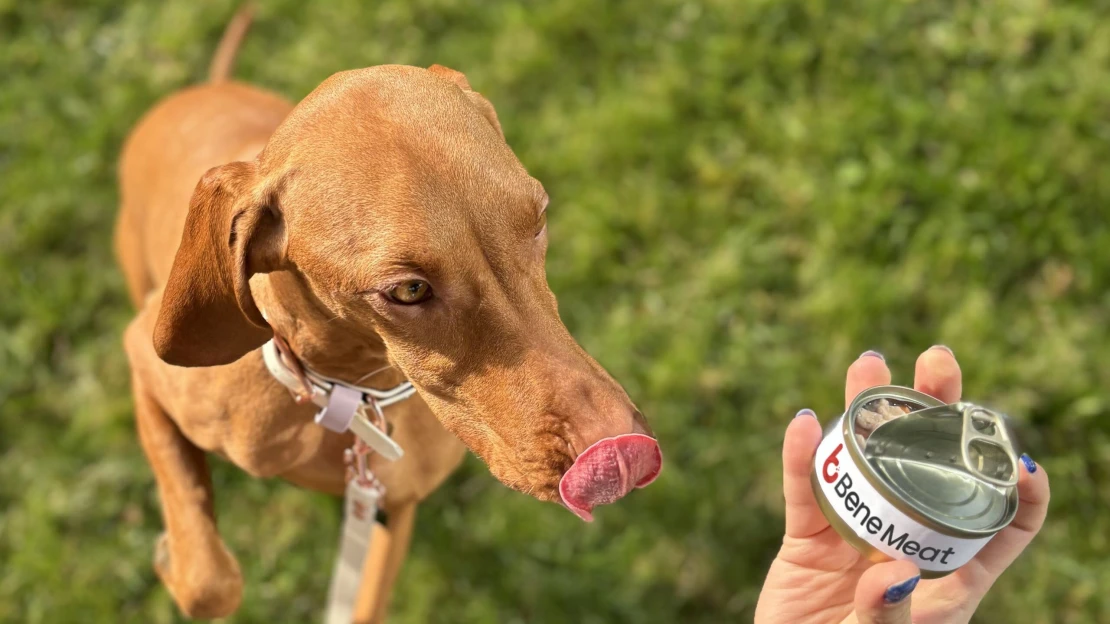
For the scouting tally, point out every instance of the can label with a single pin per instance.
(871, 517)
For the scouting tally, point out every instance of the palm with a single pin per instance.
(816, 576)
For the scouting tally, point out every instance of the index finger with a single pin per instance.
(937, 374)
(869, 370)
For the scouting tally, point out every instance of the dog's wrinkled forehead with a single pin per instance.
(395, 156)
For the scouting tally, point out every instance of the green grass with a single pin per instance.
(745, 195)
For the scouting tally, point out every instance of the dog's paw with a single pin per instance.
(205, 582)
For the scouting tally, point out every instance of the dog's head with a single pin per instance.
(392, 196)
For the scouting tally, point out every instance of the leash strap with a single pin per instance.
(361, 508)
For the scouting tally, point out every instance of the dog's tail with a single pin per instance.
(222, 62)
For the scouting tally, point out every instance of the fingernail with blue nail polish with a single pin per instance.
(943, 348)
(900, 591)
(1030, 465)
(875, 354)
(805, 412)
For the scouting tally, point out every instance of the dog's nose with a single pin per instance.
(608, 470)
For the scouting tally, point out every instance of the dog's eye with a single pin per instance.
(542, 225)
(410, 292)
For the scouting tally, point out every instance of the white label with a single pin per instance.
(876, 521)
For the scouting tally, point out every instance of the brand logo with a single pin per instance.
(832, 463)
(869, 519)
(359, 511)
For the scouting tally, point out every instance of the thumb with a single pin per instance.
(883, 593)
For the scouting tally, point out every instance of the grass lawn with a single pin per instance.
(745, 195)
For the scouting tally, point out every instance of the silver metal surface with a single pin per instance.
(953, 464)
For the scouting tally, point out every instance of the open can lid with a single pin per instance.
(955, 465)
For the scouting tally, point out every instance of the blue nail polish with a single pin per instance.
(872, 354)
(944, 348)
(805, 412)
(1030, 465)
(900, 591)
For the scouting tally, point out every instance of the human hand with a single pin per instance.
(818, 577)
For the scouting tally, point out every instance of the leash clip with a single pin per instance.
(357, 459)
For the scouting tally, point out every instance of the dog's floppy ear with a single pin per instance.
(483, 105)
(208, 316)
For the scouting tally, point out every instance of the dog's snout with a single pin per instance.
(616, 453)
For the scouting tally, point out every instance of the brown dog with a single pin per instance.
(383, 222)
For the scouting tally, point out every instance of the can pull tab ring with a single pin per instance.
(985, 445)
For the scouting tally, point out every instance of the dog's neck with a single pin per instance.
(331, 346)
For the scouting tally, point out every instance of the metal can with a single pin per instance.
(902, 475)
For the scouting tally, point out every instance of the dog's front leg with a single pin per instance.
(383, 564)
(200, 573)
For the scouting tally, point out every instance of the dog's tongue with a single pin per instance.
(609, 470)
